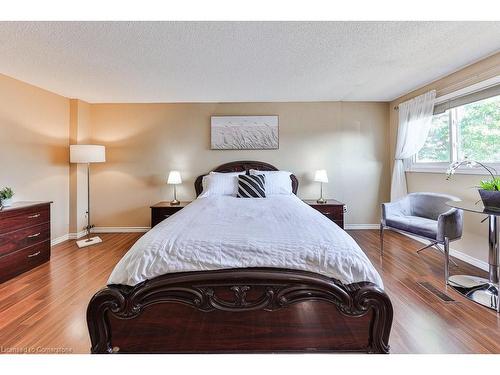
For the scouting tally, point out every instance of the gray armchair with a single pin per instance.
(427, 216)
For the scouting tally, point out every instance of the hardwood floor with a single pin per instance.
(423, 323)
(44, 309)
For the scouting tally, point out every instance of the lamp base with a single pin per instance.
(321, 201)
(175, 202)
(88, 242)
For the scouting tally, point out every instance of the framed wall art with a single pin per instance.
(244, 132)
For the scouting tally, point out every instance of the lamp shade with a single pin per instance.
(174, 178)
(87, 154)
(321, 176)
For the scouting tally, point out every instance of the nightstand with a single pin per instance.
(161, 210)
(332, 209)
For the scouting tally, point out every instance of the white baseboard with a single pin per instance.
(120, 229)
(471, 260)
(457, 254)
(60, 239)
(66, 237)
(75, 236)
(361, 226)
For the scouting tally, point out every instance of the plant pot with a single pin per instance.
(7, 202)
(490, 198)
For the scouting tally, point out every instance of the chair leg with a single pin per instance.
(436, 245)
(381, 239)
(426, 247)
(446, 259)
(442, 251)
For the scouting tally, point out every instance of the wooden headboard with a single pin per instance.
(243, 166)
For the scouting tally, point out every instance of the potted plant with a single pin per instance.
(6, 195)
(489, 190)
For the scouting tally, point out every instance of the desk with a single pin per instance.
(477, 289)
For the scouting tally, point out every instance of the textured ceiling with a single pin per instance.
(239, 61)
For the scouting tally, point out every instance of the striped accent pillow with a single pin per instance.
(251, 186)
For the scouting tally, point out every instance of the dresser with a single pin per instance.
(332, 209)
(24, 237)
(160, 211)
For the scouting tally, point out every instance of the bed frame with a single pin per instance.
(241, 310)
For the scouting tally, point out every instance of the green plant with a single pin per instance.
(493, 184)
(6, 193)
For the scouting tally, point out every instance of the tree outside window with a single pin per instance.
(476, 127)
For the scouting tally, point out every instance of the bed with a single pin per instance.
(232, 275)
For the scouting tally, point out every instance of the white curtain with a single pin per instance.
(415, 118)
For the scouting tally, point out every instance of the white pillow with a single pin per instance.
(277, 182)
(216, 183)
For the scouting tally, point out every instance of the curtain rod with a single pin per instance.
(484, 85)
(477, 78)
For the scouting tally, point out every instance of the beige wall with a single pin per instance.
(474, 242)
(34, 147)
(145, 141)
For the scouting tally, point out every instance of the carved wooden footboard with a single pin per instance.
(240, 311)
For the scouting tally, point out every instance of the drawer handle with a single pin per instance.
(34, 254)
(34, 235)
(166, 215)
(33, 216)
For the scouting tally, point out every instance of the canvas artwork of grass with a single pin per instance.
(245, 132)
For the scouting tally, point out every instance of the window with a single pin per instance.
(464, 127)
(478, 130)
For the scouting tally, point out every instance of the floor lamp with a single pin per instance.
(87, 154)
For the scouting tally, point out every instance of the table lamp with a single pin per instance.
(87, 154)
(174, 178)
(321, 177)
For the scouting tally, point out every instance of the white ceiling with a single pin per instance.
(239, 61)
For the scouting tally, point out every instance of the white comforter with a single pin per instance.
(227, 232)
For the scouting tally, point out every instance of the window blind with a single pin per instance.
(466, 99)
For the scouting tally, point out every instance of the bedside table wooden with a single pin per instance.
(161, 210)
(332, 209)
